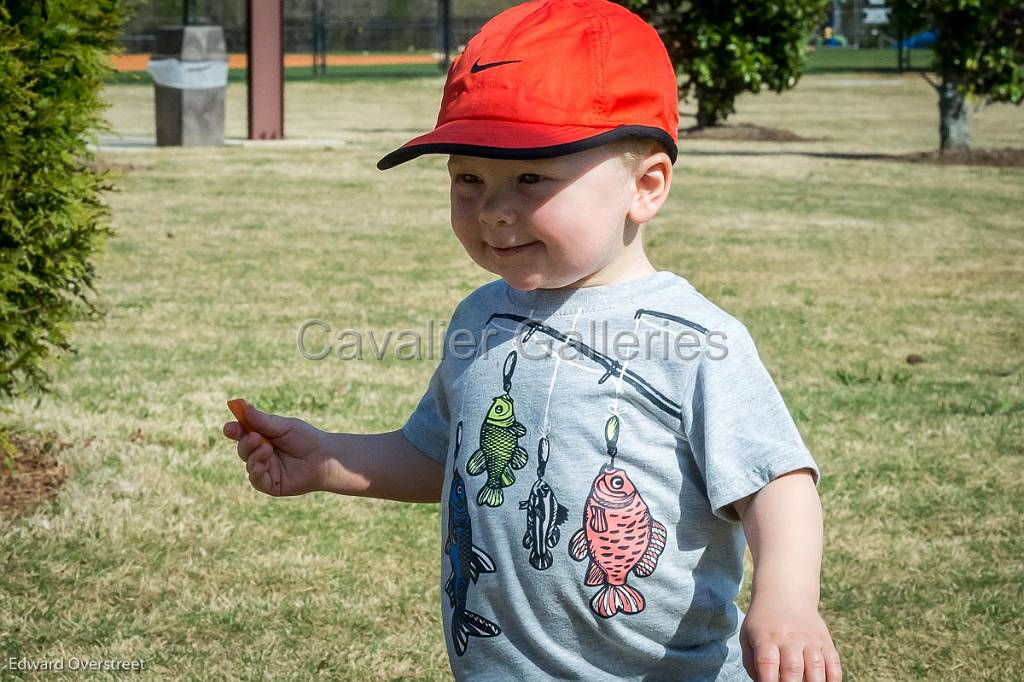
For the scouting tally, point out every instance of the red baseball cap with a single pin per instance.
(552, 77)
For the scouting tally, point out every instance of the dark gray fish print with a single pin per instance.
(543, 515)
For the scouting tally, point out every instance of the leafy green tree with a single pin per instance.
(53, 59)
(727, 47)
(979, 55)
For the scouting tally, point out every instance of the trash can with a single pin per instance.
(190, 74)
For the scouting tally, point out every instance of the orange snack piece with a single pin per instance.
(237, 407)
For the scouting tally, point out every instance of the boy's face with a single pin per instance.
(541, 223)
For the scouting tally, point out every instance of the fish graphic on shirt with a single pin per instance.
(468, 562)
(543, 515)
(619, 536)
(499, 452)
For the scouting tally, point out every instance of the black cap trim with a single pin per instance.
(404, 154)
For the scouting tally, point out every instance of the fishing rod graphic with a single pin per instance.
(611, 366)
(669, 316)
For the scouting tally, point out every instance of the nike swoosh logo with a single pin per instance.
(477, 66)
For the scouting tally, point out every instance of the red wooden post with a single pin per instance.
(265, 72)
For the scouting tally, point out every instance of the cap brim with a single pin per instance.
(498, 139)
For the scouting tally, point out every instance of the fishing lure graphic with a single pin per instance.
(618, 535)
(499, 452)
(468, 562)
(543, 515)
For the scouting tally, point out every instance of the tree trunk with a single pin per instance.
(954, 125)
(708, 115)
(705, 115)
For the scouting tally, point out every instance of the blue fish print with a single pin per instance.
(467, 560)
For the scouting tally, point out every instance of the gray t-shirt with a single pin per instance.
(593, 440)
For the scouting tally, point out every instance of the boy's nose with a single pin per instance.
(497, 210)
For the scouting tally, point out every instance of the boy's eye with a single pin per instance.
(527, 178)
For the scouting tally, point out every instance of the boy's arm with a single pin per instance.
(784, 637)
(382, 465)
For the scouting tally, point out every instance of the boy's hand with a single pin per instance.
(291, 464)
(785, 642)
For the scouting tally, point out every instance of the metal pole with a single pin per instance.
(445, 20)
(265, 72)
(323, 37)
(898, 16)
(319, 37)
(855, 24)
(184, 12)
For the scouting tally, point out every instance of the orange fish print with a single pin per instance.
(619, 536)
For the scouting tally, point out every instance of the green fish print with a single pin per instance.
(499, 451)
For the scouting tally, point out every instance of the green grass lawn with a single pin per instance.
(158, 549)
(836, 60)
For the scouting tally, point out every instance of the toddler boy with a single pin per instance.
(602, 438)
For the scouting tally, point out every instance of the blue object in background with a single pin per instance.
(924, 39)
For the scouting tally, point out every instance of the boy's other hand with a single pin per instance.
(291, 464)
(785, 642)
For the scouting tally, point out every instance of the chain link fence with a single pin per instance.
(344, 35)
(326, 26)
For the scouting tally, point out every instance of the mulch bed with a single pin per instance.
(1007, 157)
(101, 165)
(33, 476)
(743, 132)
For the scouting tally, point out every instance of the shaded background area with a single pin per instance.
(377, 25)
(412, 26)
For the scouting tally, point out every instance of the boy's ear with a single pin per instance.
(653, 182)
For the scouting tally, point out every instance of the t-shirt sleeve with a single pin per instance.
(739, 429)
(427, 426)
